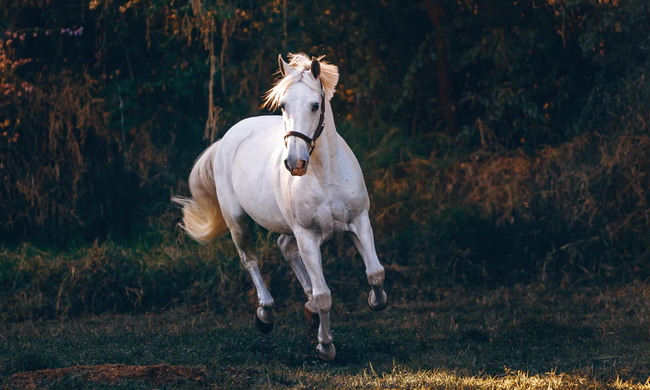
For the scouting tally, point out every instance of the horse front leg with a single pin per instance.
(309, 249)
(289, 248)
(264, 316)
(365, 243)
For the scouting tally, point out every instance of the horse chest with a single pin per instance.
(328, 211)
(344, 205)
(340, 216)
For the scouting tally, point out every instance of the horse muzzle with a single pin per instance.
(296, 167)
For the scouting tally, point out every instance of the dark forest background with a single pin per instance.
(502, 141)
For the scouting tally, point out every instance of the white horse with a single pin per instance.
(294, 175)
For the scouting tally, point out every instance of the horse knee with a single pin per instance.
(323, 301)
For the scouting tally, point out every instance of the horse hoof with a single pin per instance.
(377, 305)
(326, 353)
(262, 326)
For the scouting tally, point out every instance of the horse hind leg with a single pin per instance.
(264, 316)
(289, 248)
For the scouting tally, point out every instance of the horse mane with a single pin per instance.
(329, 76)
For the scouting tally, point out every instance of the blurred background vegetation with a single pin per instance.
(502, 142)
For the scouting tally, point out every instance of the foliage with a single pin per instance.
(106, 104)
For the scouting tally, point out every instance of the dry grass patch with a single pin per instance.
(511, 380)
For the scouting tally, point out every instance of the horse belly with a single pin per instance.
(253, 187)
(267, 215)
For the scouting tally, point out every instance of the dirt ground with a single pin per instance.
(516, 337)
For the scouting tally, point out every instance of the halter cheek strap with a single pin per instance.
(311, 142)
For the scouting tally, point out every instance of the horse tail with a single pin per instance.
(202, 218)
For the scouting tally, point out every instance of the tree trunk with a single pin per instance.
(447, 106)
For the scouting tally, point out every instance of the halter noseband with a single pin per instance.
(311, 142)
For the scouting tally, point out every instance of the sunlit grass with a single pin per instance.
(122, 376)
(442, 379)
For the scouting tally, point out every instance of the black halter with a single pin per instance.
(319, 128)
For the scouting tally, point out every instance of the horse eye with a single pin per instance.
(314, 107)
(282, 106)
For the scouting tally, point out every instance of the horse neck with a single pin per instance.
(327, 146)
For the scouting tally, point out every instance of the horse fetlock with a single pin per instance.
(324, 338)
(265, 299)
(376, 277)
(267, 303)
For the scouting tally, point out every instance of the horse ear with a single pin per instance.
(315, 67)
(285, 69)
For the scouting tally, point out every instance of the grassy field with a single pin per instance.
(518, 337)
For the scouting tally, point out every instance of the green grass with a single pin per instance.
(519, 337)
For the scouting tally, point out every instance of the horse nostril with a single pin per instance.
(286, 165)
(301, 163)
